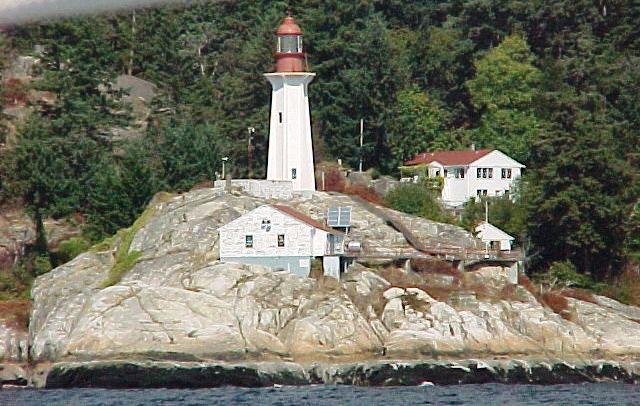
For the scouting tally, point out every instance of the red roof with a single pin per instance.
(305, 219)
(448, 158)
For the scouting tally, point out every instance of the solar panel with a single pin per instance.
(339, 217)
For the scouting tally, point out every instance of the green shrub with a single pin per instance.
(375, 174)
(41, 265)
(412, 198)
(565, 272)
(71, 248)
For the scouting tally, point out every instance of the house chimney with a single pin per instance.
(473, 147)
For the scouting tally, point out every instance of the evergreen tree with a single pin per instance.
(581, 203)
(504, 89)
(419, 125)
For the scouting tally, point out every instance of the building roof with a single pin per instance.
(448, 158)
(489, 232)
(304, 218)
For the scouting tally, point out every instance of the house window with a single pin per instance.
(484, 173)
(280, 116)
(490, 173)
(504, 173)
(508, 173)
(294, 173)
(479, 174)
(248, 241)
(437, 173)
(446, 172)
(461, 173)
(481, 192)
(280, 240)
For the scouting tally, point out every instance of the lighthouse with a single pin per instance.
(290, 146)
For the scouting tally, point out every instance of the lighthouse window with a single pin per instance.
(280, 116)
(290, 43)
(294, 173)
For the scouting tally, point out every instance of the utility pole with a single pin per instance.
(251, 131)
(133, 42)
(361, 142)
(224, 161)
(486, 224)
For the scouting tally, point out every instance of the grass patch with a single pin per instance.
(69, 249)
(408, 279)
(125, 260)
(105, 245)
(579, 294)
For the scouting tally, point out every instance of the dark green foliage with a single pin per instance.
(416, 199)
(507, 214)
(583, 197)
(71, 248)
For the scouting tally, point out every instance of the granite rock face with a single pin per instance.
(180, 302)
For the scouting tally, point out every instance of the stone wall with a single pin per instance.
(267, 189)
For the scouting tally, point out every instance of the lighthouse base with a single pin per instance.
(266, 189)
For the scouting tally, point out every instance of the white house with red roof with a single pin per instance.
(280, 237)
(467, 173)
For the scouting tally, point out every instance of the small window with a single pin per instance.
(484, 173)
(504, 173)
(280, 240)
(484, 192)
(294, 173)
(437, 173)
(462, 173)
(508, 173)
(280, 117)
(446, 172)
(248, 241)
(490, 173)
(479, 174)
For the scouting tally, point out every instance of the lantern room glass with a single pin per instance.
(290, 43)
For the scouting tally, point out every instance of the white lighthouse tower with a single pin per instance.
(290, 146)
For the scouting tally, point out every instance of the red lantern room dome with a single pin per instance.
(289, 27)
(289, 54)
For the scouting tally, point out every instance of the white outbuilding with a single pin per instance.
(494, 237)
(280, 237)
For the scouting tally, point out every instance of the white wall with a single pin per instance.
(298, 235)
(457, 191)
(268, 189)
(290, 144)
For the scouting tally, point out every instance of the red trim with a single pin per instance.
(448, 158)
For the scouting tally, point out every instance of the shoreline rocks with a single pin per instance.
(148, 374)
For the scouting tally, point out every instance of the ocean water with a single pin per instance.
(481, 395)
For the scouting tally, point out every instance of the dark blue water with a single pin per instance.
(481, 395)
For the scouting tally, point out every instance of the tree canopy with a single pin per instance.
(553, 84)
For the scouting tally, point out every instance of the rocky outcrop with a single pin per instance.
(180, 303)
(13, 350)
